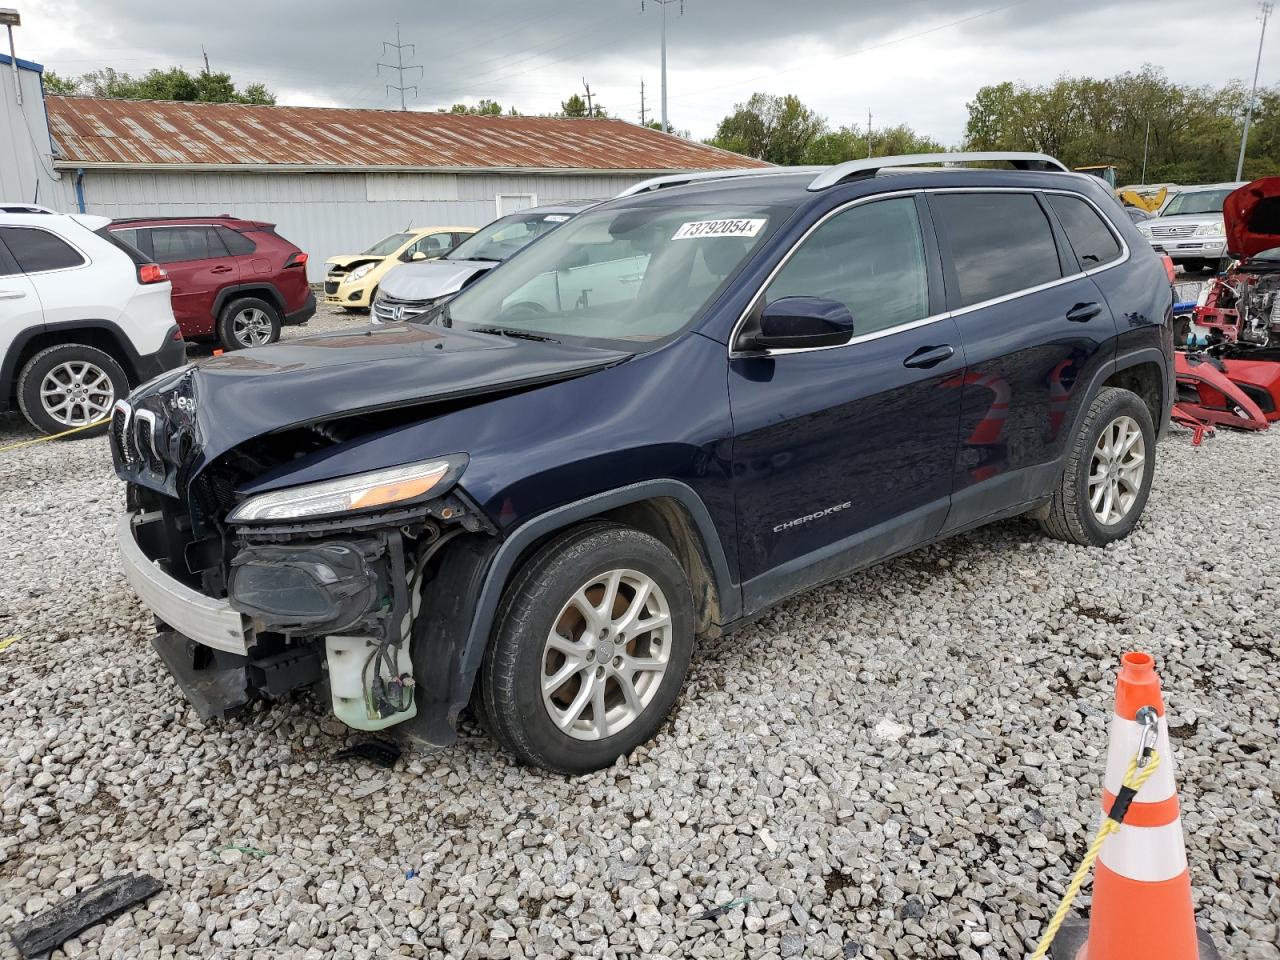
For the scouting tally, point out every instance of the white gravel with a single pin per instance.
(904, 763)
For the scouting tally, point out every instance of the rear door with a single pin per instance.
(1035, 329)
(843, 455)
(199, 264)
(20, 313)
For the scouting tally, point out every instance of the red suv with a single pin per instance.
(235, 281)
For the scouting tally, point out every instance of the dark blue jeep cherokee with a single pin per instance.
(683, 406)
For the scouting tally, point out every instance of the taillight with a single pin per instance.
(151, 273)
(298, 259)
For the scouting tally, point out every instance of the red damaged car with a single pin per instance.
(1235, 327)
(234, 281)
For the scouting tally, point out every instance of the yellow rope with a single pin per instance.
(54, 436)
(1108, 827)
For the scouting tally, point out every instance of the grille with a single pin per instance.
(144, 440)
(392, 310)
(120, 438)
(1173, 232)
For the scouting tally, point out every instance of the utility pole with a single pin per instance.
(205, 54)
(868, 133)
(1146, 146)
(1263, 14)
(590, 111)
(399, 66)
(10, 18)
(643, 119)
(663, 3)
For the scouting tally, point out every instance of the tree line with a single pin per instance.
(172, 84)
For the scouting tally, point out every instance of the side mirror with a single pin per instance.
(804, 323)
(418, 255)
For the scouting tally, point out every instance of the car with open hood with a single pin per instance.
(352, 279)
(1189, 228)
(410, 289)
(672, 412)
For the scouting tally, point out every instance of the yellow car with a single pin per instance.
(352, 281)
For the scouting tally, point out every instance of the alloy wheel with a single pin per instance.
(251, 327)
(1115, 470)
(77, 393)
(607, 652)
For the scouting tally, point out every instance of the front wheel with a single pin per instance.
(1107, 475)
(592, 645)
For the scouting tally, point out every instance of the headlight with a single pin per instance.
(1211, 230)
(363, 491)
(359, 273)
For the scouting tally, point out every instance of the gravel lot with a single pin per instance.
(902, 764)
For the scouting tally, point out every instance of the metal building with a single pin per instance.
(335, 181)
(27, 174)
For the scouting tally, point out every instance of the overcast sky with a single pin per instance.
(909, 61)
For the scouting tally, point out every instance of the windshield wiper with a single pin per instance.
(518, 334)
(483, 259)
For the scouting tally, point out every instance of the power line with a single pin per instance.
(399, 66)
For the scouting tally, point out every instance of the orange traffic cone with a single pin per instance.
(1141, 887)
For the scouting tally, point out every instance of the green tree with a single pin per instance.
(485, 108)
(59, 85)
(850, 143)
(172, 84)
(779, 129)
(575, 106)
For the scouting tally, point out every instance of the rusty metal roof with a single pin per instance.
(158, 134)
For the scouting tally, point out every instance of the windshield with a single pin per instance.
(503, 238)
(1202, 201)
(632, 274)
(389, 245)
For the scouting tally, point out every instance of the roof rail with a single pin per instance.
(856, 168)
(680, 179)
(20, 207)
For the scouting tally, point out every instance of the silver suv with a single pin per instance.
(1189, 228)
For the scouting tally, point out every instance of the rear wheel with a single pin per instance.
(591, 649)
(248, 323)
(1107, 475)
(70, 386)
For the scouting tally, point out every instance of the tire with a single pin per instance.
(93, 382)
(248, 322)
(540, 601)
(1078, 512)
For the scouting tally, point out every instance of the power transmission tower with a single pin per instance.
(663, 3)
(643, 118)
(399, 66)
(1263, 13)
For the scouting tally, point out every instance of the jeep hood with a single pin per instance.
(210, 407)
(1251, 215)
(429, 279)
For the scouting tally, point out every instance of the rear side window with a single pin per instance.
(237, 243)
(1000, 243)
(175, 244)
(1090, 238)
(39, 250)
(870, 258)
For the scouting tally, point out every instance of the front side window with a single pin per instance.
(176, 244)
(870, 258)
(999, 243)
(432, 245)
(39, 250)
(634, 274)
(504, 238)
(1089, 236)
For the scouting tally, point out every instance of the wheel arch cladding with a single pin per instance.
(243, 291)
(1146, 379)
(463, 599)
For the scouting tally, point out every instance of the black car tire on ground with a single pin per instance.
(38, 368)
(1069, 515)
(246, 305)
(511, 675)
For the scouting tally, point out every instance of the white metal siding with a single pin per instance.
(26, 164)
(327, 214)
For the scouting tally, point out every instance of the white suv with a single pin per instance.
(83, 317)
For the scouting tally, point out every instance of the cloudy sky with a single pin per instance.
(909, 61)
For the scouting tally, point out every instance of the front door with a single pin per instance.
(843, 455)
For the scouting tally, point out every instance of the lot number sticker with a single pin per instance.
(719, 228)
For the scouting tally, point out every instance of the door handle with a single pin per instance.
(927, 357)
(1083, 312)
(12, 294)
(221, 270)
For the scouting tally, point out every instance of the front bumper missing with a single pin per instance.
(203, 619)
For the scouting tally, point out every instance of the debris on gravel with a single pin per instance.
(905, 763)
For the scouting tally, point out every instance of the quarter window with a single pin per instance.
(1000, 243)
(236, 243)
(175, 244)
(38, 250)
(1090, 238)
(870, 258)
